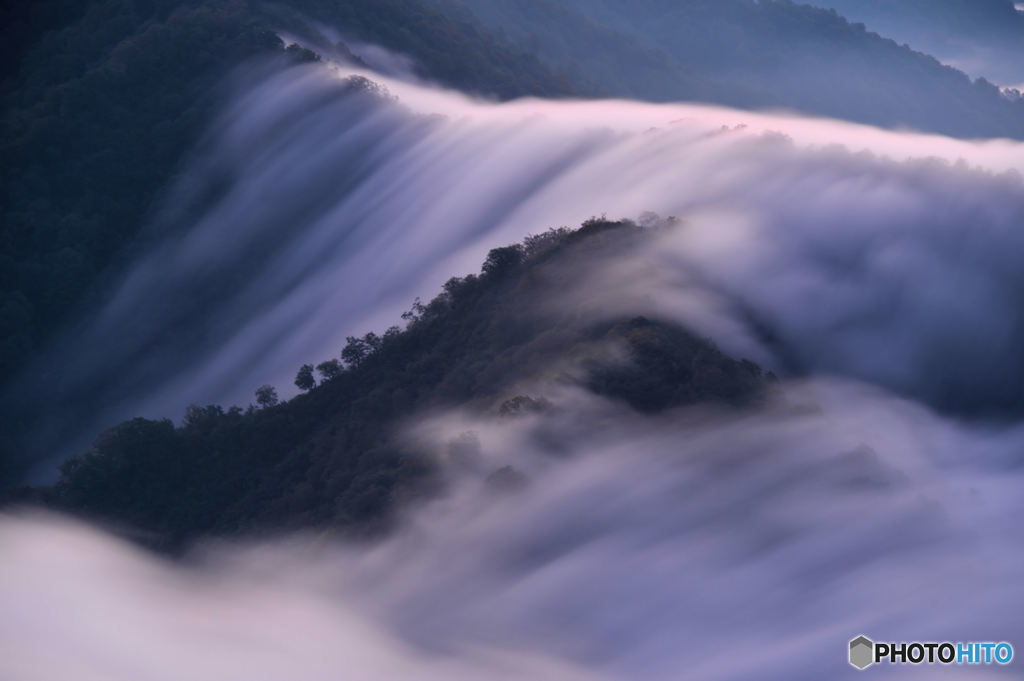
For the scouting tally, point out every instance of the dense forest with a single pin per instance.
(751, 55)
(333, 457)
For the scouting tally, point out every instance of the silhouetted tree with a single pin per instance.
(373, 342)
(503, 259)
(304, 379)
(329, 369)
(355, 351)
(266, 396)
(414, 313)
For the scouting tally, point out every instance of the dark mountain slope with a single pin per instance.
(607, 60)
(92, 129)
(333, 456)
(751, 54)
(982, 37)
(457, 53)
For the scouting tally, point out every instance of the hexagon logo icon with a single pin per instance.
(862, 652)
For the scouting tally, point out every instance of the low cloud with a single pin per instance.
(715, 545)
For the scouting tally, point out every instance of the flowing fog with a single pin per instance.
(691, 545)
(887, 273)
(313, 211)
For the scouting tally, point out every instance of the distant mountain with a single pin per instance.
(752, 55)
(334, 457)
(981, 37)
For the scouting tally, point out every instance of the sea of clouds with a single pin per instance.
(882, 272)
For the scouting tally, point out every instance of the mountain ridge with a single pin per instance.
(334, 457)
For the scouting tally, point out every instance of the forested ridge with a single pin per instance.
(333, 457)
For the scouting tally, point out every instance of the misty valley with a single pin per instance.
(511, 339)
